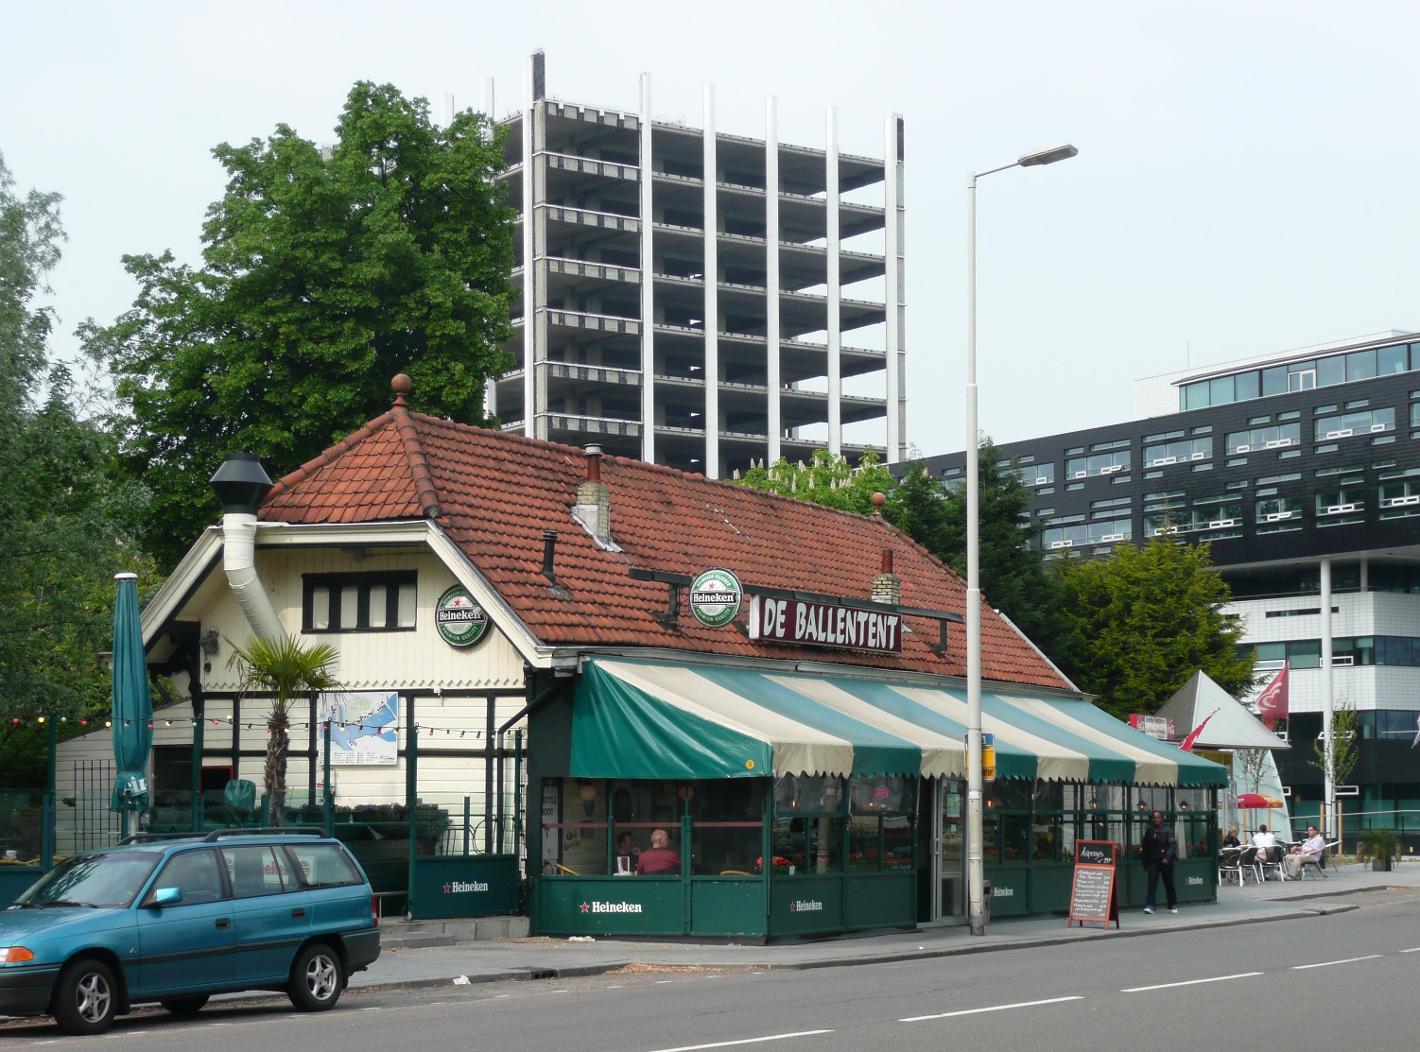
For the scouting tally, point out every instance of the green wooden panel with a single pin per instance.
(609, 906)
(1196, 880)
(464, 886)
(881, 900)
(727, 906)
(1050, 884)
(1010, 890)
(15, 879)
(805, 904)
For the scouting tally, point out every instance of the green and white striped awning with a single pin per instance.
(654, 720)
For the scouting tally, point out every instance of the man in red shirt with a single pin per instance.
(658, 858)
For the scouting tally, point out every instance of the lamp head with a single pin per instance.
(1049, 155)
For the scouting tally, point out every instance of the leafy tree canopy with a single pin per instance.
(71, 522)
(323, 274)
(1144, 620)
(826, 479)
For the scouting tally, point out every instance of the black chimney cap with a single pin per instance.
(241, 483)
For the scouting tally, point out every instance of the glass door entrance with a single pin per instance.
(947, 849)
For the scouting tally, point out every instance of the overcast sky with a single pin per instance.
(1247, 178)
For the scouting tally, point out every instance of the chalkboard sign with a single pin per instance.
(1093, 896)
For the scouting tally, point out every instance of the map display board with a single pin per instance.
(364, 728)
(1094, 899)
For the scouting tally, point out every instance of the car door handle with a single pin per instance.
(298, 912)
(224, 922)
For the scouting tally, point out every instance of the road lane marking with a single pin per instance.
(746, 1041)
(499, 997)
(616, 986)
(662, 982)
(992, 1008)
(1413, 949)
(1328, 964)
(1189, 982)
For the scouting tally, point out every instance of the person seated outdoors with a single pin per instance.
(1309, 850)
(1230, 839)
(626, 848)
(658, 858)
(1266, 844)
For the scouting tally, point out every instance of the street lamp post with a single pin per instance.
(975, 875)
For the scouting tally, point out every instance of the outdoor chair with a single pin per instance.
(1229, 864)
(1271, 858)
(1313, 865)
(1248, 865)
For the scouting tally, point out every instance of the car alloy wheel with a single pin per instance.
(322, 976)
(92, 997)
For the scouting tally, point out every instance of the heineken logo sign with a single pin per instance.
(460, 620)
(805, 906)
(808, 623)
(610, 907)
(715, 598)
(460, 887)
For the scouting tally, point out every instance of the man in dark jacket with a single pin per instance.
(1160, 852)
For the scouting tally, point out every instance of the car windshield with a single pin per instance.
(96, 881)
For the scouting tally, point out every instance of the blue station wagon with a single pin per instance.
(174, 920)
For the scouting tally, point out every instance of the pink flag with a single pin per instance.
(1272, 702)
(1187, 744)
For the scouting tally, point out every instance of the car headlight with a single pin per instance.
(15, 955)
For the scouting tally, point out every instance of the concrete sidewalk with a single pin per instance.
(537, 958)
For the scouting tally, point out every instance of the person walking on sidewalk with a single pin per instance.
(1160, 852)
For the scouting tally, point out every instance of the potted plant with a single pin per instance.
(1381, 844)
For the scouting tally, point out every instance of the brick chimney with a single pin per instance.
(593, 507)
(887, 586)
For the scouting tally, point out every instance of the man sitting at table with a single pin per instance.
(658, 858)
(1309, 850)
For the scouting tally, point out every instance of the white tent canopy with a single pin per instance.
(1230, 724)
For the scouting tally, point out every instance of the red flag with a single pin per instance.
(1272, 702)
(1187, 744)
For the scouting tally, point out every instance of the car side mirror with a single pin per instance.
(164, 897)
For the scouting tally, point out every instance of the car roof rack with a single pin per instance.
(218, 834)
(144, 837)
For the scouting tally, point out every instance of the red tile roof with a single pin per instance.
(494, 493)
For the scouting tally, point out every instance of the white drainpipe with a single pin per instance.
(239, 560)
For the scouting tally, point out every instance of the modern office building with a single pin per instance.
(1302, 470)
(694, 297)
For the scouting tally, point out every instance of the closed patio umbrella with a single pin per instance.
(132, 704)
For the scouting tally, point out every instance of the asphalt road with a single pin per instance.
(1347, 979)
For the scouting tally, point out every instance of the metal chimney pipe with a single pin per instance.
(594, 463)
(549, 550)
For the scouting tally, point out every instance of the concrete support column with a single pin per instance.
(530, 313)
(895, 256)
(648, 283)
(835, 336)
(490, 390)
(775, 425)
(712, 293)
(1329, 775)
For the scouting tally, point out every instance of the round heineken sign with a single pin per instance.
(460, 620)
(715, 598)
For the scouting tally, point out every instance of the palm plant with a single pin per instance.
(286, 669)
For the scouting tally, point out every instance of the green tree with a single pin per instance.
(71, 522)
(1014, 577)
(1144, 620)
(323, 274)
(1343, 733)
(286, 669)
(826, 479)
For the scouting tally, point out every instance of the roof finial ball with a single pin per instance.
(401, 385)
(877, 500)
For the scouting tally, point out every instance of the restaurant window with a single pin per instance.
(808, 825)
(575, 843)
(1007, 817)
(880, 827)
(727, 825)
(359, 602)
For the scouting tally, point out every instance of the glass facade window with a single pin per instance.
(1400, 494)
(1360, 365)
(1177, 450)
(1391, 360)
(1098, 464)
(1245, 386)
(1032, 475)
(1363, 422)
(1278, 509)
(1110, 531)
(1277, 436)
(1274, 380)
(1330, 371)
(1220, 390)
(1343, 501)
